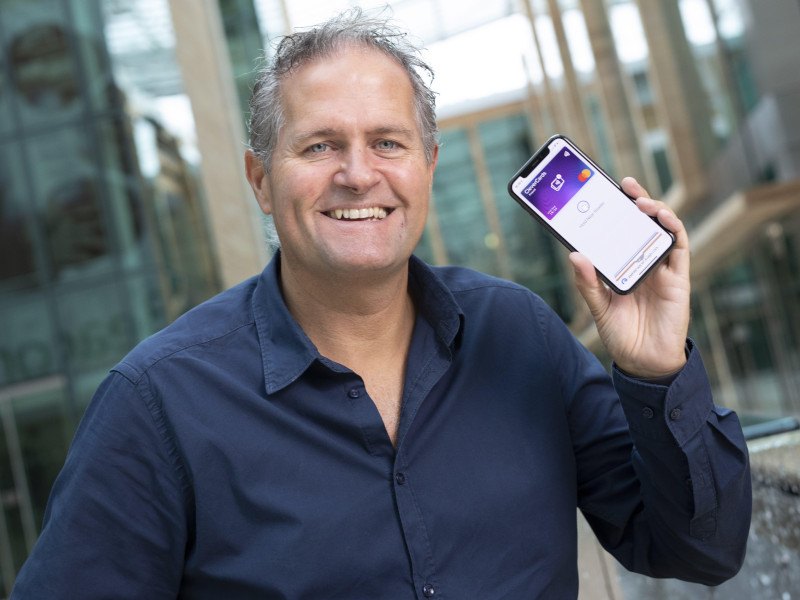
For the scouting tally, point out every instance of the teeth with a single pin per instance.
(358, 213)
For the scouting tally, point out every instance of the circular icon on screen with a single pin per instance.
(583, 206)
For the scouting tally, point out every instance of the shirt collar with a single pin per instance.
(286, 351)
(435, 302)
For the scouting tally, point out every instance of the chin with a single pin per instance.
(369, 264)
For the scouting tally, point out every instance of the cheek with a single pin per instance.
(413, 182)
(297, 195)
(422, 191)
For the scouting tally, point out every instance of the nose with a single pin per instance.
(357, 173)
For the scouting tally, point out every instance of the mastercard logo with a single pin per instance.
(584, 175)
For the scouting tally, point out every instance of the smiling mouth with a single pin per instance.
(359, 214)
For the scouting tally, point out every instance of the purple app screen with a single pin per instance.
(557, 183)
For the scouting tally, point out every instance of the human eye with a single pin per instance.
(385, 145)
(318, 148)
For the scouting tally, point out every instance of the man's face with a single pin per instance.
(349, 183)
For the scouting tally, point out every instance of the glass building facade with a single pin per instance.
(101, 241)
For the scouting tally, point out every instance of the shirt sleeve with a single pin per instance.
(115, 523)
(663, 473)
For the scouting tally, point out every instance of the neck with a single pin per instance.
(352, 320)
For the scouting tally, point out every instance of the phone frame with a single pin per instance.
(535, 160)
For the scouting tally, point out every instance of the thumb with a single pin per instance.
(589, 285)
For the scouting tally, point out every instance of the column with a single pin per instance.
(578, 123)
(234, 218)
(719, 355)
(487, 198)
(555, 120)
(539, 122)
(682, 101)
(625, 132)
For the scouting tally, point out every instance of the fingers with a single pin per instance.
(665, 216)
(657, 209)
(633, 188)
(594, 292)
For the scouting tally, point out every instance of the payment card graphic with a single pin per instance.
(557, 183)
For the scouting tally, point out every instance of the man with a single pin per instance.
(355, 424)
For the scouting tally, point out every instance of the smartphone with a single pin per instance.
(587, 211)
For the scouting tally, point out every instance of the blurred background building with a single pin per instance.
(123, 201)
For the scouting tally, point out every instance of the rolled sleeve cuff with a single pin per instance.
(674, 412)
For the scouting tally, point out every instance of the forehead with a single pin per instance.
(352, 80)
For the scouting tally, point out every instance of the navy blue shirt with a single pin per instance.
(224, 457)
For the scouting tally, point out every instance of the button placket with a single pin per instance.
(414, 530)
(376, 442)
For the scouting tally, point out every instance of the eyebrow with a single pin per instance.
(327, 132)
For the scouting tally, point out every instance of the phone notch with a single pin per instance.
(534, 162)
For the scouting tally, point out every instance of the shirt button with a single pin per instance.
(400, 478)
(647, 412)
(675, 414)
(354, 393)
(428, 590)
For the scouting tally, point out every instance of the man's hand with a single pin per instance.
(644, 331)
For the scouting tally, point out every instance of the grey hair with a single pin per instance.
(351, 27)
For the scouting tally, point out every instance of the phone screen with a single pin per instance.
(590, 213)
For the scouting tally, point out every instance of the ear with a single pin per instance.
(433, 163)
(258, 179)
